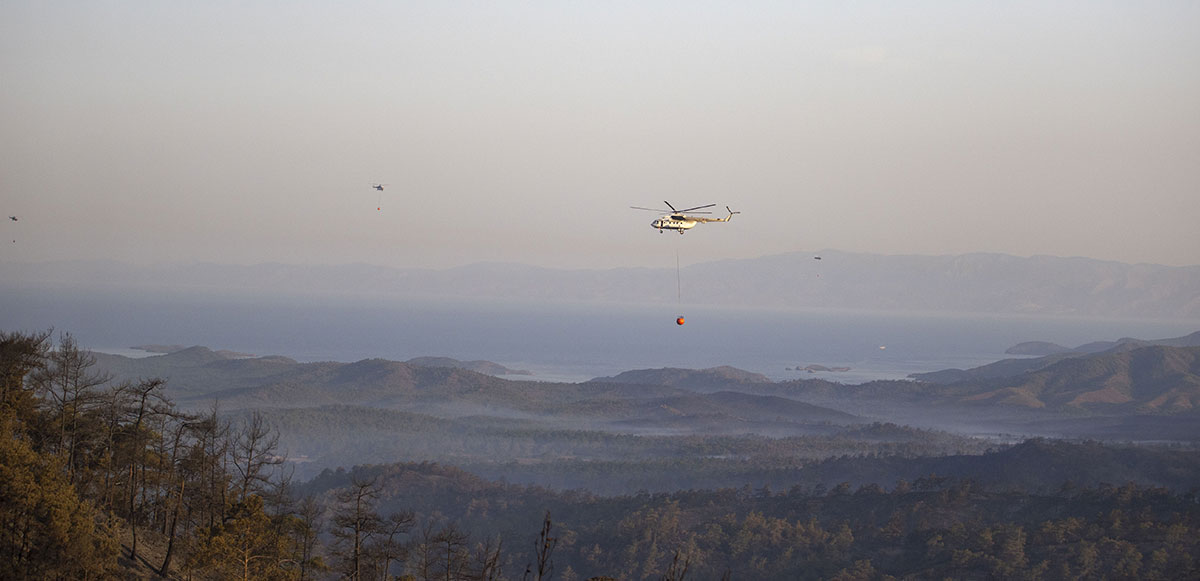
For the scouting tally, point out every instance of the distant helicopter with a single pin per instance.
(13, 218)
(680, 219)
(379, 187)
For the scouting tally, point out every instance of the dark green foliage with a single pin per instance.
(525, 451)
(245, 545)
(935, 527)
(87, 465)
(46, 530)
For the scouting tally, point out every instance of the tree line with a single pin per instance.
(931, 527)
(105, 480)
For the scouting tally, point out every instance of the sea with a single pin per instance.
(555, 341)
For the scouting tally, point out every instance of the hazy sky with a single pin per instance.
(250, 132)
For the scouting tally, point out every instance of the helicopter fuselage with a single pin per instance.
(673, 223)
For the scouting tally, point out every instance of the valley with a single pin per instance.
(646, 474)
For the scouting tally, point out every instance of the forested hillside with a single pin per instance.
(931, 527)
(110, 479)
(1130, 377)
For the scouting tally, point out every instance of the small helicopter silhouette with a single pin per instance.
(379, 187)
(13, 218)
(680, 219)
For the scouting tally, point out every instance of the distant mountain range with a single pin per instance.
(1123, 344)
(197, 376)
(1122, 382)
(971, 283)
(1131, 377)
(333, 413)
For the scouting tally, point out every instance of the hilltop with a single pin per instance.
(1151, 379)
(1047, 354)
(1042, 348)
(478, 366)
(1127, 376)
(1157, 379)
(715, 378)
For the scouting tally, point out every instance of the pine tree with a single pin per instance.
(46, 531)
(245, 546)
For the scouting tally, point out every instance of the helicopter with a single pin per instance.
(378, 186)
(680, 220)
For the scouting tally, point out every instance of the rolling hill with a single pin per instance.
(1146, 379)
(1046, 355)
(1125, 376)
(1158, 379)
(712, 379)
(198, 376)
(1041, 348)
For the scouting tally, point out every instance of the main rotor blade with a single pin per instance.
(651, 209)
(697, 208)
(670, 206)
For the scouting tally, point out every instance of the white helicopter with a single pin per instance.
(680, 220)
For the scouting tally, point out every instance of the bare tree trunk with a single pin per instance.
(678, 571)
(355, 523)
(144, 393)
(254, 450)
(133, 525)
(544, 549)
(166, 566)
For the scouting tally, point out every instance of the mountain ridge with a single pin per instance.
(713, 378)
(1040, 348)
(968, 283)
(1047, 354)
(198, 376)
(1117, 390)
(1152, 378)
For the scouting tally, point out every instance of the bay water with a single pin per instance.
(571, 342)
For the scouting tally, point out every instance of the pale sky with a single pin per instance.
(246, 132)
